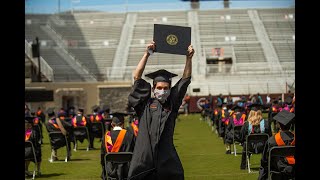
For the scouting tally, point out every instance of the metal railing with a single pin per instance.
(46, 70)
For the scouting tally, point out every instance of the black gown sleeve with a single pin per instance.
(139, 95)
(178, 91)
(244, 131)
(263, 170)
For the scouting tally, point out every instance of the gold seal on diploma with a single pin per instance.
(172, 39)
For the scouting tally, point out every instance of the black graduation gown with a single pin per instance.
(154, 155)
(229, 130)
(119, 171)
(94, 130)
(80, 134)
(34, 138)
(287, 138)
(258, 145)
(57, 142)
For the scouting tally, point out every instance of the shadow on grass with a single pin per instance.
(79, 159)
(49, 175)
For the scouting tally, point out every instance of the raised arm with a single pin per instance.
(188, 67)
(142, 64)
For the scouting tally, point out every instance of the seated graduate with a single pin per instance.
(223, 120)
(95, 131)
(32, 136)
(116, 140)
(255, 124)
(284, 137)
(79, 120)
(133, 127)
(37, 121)
(237, 118)
(54, 124)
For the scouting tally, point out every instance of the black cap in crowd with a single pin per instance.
(118, 117)
(50, 111)
(28, 119)
(284, 117)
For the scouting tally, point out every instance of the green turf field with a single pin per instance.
(201, 152)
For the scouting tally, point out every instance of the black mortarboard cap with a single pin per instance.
(236, 107)
(95, 108)
(255, 106)
(161, 76)
(28, 119)
(50, 111)
(118, 117)
(80, 109)
(172, 39)
(284, 117)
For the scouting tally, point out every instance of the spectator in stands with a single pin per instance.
(220, 100)
(268, 100)
(259, 100)
(151, 159)
(116, 140)
(286, 165)
(255, 124)
(54, 124)
(34, 137)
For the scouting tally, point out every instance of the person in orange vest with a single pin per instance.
(32, 136)
(286, 165)
(55, 124)
(116, 140)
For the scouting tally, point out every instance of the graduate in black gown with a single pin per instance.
(79, 120)
(154, 155)
(134, 125)
(254, 125)
(237, 118)
(95, 130)
(283, 137)
(54, 124)
(125, 142)
(34, 137)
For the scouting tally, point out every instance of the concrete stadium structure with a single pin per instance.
(103, 48)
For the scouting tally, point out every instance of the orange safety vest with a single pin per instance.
(280, 142)
(27, 134)
(83, 121)
(110, 147)
(135, 129)
(54, 123)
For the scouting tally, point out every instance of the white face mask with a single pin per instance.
(161, 95)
